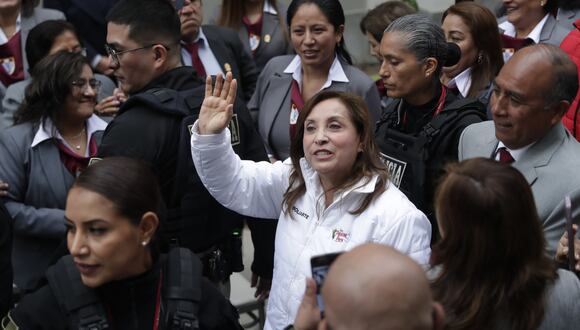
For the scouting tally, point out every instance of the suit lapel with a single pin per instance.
(53, 169)
(278, 92)
(540, 154)
(221, 53)
(243, 33)
(27, 23)
(269, 28)
(547, 29)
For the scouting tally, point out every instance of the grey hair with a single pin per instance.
(424, 38)
(564, 75)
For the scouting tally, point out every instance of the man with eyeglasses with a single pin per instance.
(212, 49)
(143, 43)
(371, 287)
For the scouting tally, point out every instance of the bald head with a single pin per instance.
(562, 70)
(375, 287)
(531, 93)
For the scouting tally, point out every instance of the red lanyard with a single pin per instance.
(440, 104)
(157, 303)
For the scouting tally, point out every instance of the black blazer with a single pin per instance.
(231, 55)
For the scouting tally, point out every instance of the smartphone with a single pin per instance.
(570, 230)
(320, 265)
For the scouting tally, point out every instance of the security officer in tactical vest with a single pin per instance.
(419, 131)
(143, 41)
(115, 277)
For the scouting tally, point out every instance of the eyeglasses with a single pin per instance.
(82, 83)
(115, 53)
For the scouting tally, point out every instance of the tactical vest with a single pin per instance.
(412, 158)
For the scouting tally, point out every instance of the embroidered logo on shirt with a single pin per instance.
(300, 213)
(395, 167)
(340, 236)
(9, 65)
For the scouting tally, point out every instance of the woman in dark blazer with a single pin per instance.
(55, 135)
(322, 62)
(260, 25)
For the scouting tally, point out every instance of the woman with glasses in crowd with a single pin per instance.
(490, 267)
(46, 39)
(55, 134)
(322, 62)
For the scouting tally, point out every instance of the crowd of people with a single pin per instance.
(137, 142)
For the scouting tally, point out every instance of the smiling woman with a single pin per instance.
(331, 195)
(55, 135)
(322, 63)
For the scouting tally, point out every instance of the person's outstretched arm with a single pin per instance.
(250, 188)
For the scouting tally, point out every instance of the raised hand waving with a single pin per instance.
(218, 104)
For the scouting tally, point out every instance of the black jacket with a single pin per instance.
(410, 121)
(130, 304)
(152, 135)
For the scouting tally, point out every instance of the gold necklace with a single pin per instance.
(75, 145)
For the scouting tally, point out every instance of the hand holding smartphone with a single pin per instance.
(319, 266)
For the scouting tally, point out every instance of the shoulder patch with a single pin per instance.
(234, 127)
(94, 160)
(8, 323)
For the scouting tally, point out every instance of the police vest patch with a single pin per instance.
(8, 323)
(396, 168)
(190, 129)
(234, 127)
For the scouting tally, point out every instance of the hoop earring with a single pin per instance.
(479, 58)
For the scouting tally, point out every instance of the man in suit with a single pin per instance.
(211, 49)
(531, 93)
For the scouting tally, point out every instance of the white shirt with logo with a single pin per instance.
(256, 190)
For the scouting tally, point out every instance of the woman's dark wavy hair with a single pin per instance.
(482, 25)
(50, 85)
(492, 257)
(130, 184)
(334, 13)
(366, 164)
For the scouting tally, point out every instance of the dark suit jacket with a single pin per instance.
(88, 17)
(231, 56)
(278, 43)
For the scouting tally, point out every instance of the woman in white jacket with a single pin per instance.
(331, 195)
